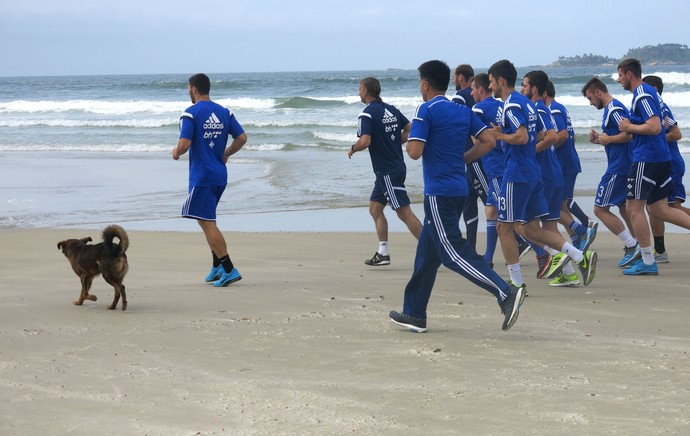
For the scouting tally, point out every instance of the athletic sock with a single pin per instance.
(647, 255)
(515, 274)
(659, 245)
(568, 268)
(578, 228)
(383, 248)
(216, 261)
(227, 263)
(491, 239)
(573, 252)
(550, 250)
(539, 251)
(575, 210)
(627, 238)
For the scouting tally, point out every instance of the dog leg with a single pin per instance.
(85, 286)
(119, 289)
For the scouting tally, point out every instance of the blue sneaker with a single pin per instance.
(639, 268)
(631, 255)
(227, 278)
(216, 272)
(589, 236)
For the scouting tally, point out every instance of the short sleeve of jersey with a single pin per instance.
(559, 119)
(514, 118)
(644, 103)
(420, 124)
(477, 125)
(235, 127)
(544, 121)
(187, 126)
(666, 111)
(364, 124)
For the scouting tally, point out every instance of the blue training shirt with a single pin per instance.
(384, 123)
(444, 127)
(551, 172)
(521, 160)
(490, 111)
(619, 156)
(208, 125)
(566, 153)
(645, 105)
(677, 160)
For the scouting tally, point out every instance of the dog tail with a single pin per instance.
(114, 231)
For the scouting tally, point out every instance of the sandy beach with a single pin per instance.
(303, 344)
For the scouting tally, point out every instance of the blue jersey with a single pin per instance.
(567, 154)
(619, 156)
(464, 97)
(551, 172)
(521, 160)
(645, 105)
(208, 125)
(676, 157)
(490, 111)
(444, 128)
(384, 123)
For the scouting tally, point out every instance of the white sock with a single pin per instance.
(627, 238)
(515, 274)
(550, 250)
(568, 268)
(383, 248)
(647, 255)
(573, 252)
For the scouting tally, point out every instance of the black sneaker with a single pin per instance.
(378, 260)
(543, 264)
(511, 306)
(588, 267)
(416, 325)
(523, 246)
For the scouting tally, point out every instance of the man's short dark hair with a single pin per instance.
(504, 68)
(201, 82)
(631, 65)
(464, 70)
(539, 79)
(655, 81)
(481, 80)
(594, 83)
(437, 73)
(550, 89)
(373, 86)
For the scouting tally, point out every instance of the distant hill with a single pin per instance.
(667, 54)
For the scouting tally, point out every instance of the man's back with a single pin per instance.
(384, 123)
(645, 105)
(521, 161)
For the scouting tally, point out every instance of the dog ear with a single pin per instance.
(60, 244)
(87, 239)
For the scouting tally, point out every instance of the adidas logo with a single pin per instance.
(388, 117)
(213, 123)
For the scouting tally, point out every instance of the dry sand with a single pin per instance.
(303, 344)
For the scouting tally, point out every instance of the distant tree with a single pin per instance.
(662, 53)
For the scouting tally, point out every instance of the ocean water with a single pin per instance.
(86, 150)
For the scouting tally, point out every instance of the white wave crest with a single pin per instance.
(340, 137)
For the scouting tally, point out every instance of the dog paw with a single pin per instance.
(91, 297)
(77, 302)
(124, 306)
(111, 306)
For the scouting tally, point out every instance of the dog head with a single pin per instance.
(68, 245)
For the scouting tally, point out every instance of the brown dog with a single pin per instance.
(104, 258)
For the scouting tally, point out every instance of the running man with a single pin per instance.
(440, 129)
(612, 188)
(650, 176)
(204, 131)
(382, 129)
(522, 192)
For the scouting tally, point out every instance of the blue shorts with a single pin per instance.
(202, 202)
(477, 181)
(650, 181)
(678, 192)
(553, 198)
(521, 202)
(494, 191)
(568, 186)
(390, 189)
(611, 191)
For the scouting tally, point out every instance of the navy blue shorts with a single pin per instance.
(202, 202)
(494, 191)
(611, 191)
(678, 192)
(521, 202)
(650, 181)
(554, 198)
(390, 189)
(569, 186)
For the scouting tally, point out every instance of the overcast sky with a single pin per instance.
(65, 37)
